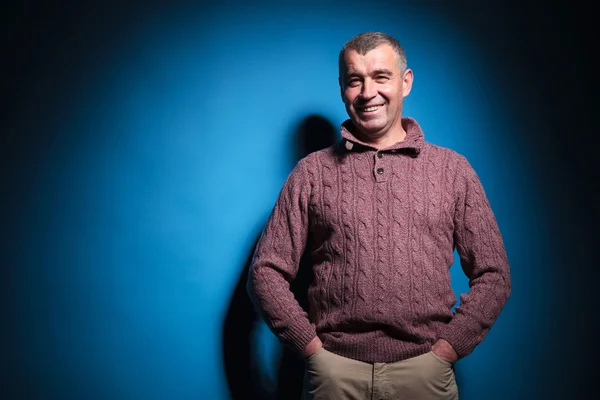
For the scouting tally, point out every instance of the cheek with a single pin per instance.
(388, 92)
(350, 95)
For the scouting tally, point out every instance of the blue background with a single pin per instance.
(143, 148)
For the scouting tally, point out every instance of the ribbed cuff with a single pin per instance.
(462, 340)
(299, 335)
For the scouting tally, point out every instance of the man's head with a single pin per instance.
(374, 79)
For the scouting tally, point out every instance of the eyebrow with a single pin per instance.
(382, 72)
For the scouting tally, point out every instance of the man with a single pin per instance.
(380, 213)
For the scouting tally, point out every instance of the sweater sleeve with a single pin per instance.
(276, 261)
(484, 261)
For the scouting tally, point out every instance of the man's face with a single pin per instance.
(373, 89)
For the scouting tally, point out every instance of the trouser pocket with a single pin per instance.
(329, 376)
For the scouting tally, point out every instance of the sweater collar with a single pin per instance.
(412, 143)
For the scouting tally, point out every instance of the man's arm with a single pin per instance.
(275, 264)
(483, 260)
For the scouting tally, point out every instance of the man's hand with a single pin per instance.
(312, 347)
(444, 350)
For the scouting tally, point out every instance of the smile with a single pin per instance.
(370, 108)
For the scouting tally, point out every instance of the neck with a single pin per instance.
(385, 139)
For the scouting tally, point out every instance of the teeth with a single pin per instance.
(367, 109)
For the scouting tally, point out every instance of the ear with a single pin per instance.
(341, 88)
(407, 81)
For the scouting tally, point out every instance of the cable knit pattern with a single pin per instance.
(381, 227)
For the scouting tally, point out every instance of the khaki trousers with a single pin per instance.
(329, 376)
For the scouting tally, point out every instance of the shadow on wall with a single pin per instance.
(242, 371)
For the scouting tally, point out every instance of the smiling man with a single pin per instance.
(374, 83)
(380, 214)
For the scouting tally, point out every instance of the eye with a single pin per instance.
(382, 78)
(353, 82)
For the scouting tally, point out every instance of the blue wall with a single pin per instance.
(144, 149)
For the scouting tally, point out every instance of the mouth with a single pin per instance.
(369, 109)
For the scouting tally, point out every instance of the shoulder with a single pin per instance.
(311, 162)
(459, 169)
(307, 168)
(450, 157)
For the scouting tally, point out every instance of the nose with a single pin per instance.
(368, 90)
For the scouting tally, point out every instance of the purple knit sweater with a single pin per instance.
(381, 227)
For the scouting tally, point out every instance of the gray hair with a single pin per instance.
(367, 41)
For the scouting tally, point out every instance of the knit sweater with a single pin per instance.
(381, 227)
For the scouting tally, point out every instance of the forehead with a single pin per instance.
(381, 57)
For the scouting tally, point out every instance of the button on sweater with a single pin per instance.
(381, 227)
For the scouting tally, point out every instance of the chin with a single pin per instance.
(370, 127)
